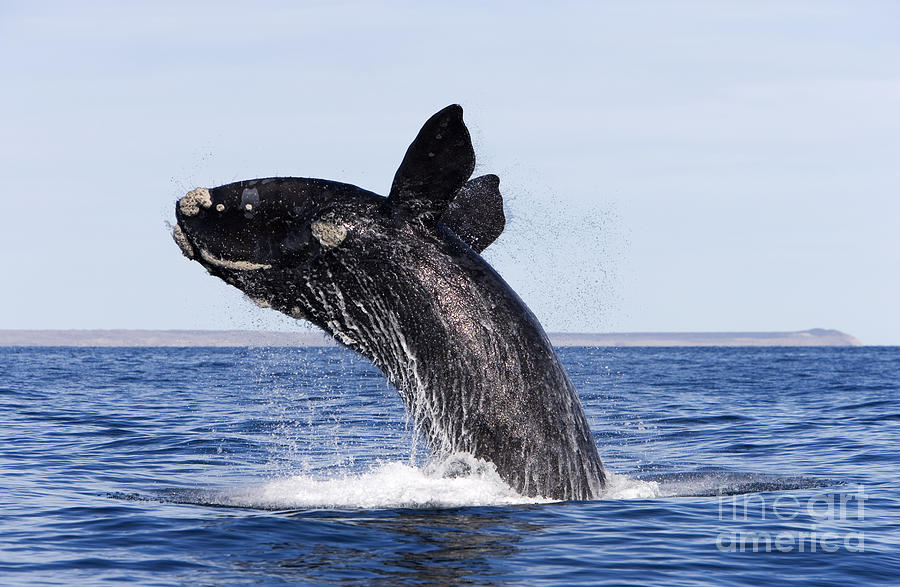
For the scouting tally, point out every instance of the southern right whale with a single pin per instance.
(400, 280)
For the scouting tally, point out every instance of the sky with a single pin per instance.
(667, 166)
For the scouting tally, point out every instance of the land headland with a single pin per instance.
(254, 338)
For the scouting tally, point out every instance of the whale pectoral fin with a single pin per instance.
(436, 165)
(476, 213)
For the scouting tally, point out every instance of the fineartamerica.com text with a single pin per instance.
(832, 508)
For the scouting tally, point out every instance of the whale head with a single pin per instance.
(267, 223)
(262, 234)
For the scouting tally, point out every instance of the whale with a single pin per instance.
(400, 280)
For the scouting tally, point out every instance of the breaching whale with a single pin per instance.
(400, 280)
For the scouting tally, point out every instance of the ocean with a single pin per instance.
(176, 466)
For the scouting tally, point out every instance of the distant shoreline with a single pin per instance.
(254, 338)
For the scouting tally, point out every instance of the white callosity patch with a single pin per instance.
(237, 265)
(192, 201)
(329, 234)
(249, 201)
(261, 302)
(183, 243)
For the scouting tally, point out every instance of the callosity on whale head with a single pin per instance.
(400, 280)
(255, 233)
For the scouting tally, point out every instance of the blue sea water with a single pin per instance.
(244, 466)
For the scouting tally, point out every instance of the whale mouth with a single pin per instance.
(190, 251)
(229, 264)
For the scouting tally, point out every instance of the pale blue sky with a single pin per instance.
(667, 165)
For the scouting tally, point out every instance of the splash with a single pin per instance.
(458, 481)
(625, 487)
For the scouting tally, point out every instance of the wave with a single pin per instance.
(721, 483)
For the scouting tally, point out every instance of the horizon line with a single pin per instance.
(141, 337)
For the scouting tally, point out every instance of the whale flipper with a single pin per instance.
(437, 164)
(476, 213)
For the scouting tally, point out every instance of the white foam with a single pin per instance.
(388, 485)
(394, 484)
(624, 487)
